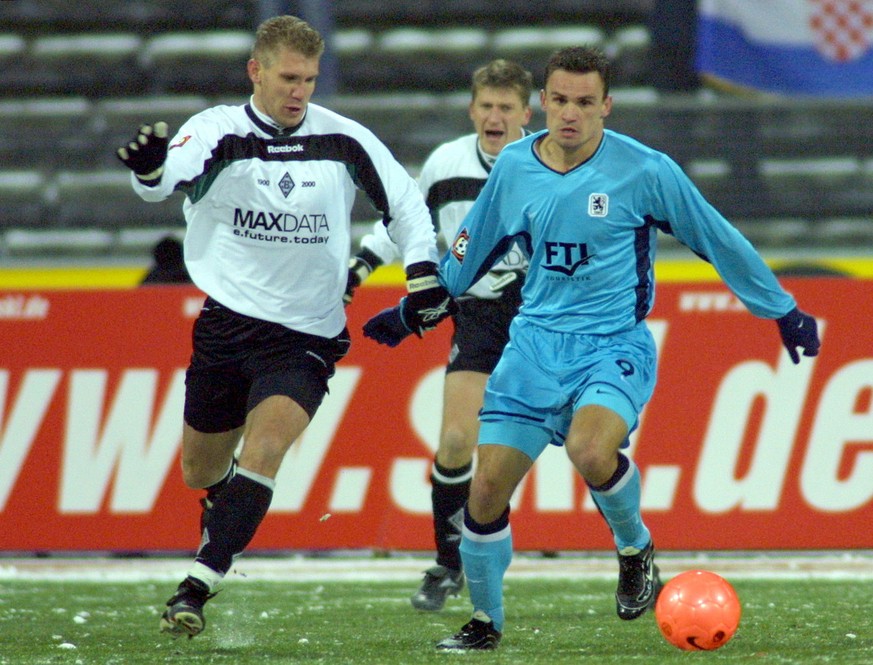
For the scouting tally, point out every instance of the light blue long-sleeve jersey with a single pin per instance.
(590, 235)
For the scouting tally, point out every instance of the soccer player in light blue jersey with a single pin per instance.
(585, 204)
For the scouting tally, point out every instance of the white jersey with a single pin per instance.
(450, 180)
(268, 210)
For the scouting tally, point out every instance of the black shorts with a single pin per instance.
(238, 361)
(482, 330)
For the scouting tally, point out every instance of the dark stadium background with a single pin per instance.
(76, 79)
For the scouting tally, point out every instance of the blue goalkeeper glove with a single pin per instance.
(427, 304)
(388, 327)
(146, 153)
(799, 329)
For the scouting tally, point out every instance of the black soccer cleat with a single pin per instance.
(479, 633)
(639, 583)
(184, 613)
(438, 584)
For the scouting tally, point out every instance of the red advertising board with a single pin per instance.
(738, 449)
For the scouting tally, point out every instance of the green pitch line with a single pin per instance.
(259, 622)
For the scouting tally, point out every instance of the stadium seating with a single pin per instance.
(413, 58)
(628, 49)
(531, 46)
(116, 119)
(201, 62)
(104, 198)
(36, 17)
(40, 132)
(45, 244)
(77, 79)
(89, 64)
(488, 13)
(22, 194)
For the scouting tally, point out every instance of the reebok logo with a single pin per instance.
(279, 149)
(435, 314)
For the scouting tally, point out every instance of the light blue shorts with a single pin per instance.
(544, 377)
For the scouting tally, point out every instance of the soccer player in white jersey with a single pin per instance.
(269, 188)
(585, 203)
(450, 179)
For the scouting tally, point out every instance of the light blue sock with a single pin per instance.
(619, 501)
(485, 558)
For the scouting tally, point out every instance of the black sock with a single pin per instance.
(238, 511)
(449, 491)
(619, 473)
(213, 490)
(486, 529)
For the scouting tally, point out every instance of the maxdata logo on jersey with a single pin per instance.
(566, 257)
(281, 227)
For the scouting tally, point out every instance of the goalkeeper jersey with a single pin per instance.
(268, 210)
(450, 180)
(590, 235)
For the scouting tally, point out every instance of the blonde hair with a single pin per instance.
(504, 74)
(286, 32)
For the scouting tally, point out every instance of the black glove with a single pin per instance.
(799, 329)
(146, 153)
(428, 302)
(360, 267)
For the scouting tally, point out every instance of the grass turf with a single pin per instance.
(548, 621)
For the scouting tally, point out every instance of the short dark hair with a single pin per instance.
(580, 60)
(287, 32)
(502, 73)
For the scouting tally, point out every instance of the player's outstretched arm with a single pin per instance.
(799, 329)
(426, 304)
(146, 153)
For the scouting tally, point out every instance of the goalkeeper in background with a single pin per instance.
(269, 192)
(450, 179)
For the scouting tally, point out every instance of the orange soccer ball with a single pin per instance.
(698, 610)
